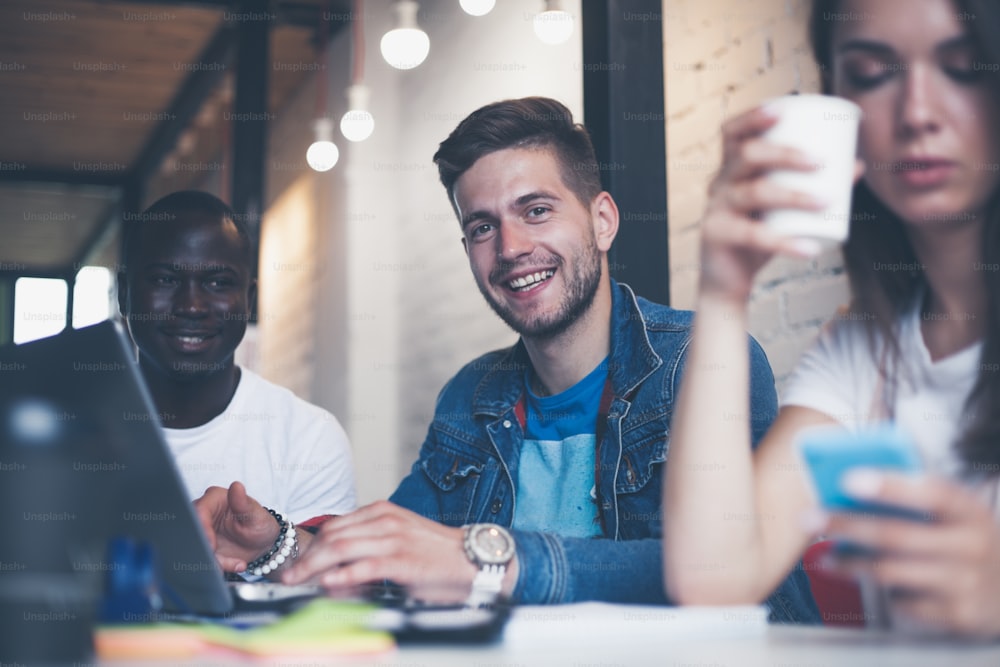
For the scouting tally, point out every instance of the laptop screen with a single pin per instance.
(75, 413)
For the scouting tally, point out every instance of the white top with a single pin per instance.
(292, 456)
(838, 376)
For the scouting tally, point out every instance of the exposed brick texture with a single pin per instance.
(723, 57)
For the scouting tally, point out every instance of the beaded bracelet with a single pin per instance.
(286, 547)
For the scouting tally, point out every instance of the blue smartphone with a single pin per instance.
(829, 452)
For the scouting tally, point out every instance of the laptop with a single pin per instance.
(83, 392)
(84, 385)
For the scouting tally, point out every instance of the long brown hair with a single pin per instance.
(885, 274)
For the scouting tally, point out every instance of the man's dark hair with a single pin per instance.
(173, 206)
(529, 122)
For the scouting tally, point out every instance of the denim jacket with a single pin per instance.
(467, 468)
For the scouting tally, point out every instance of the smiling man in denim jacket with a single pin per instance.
(540, 475)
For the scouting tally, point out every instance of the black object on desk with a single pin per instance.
(50, 516)
(415, 622)
(90, 375)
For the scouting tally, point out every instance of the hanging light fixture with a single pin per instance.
(554, 25)
(322, 154)
(407, 45)
(358, 123)
(477, 7)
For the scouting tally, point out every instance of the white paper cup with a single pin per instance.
(826, 129)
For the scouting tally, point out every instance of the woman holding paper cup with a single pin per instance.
(919, 345)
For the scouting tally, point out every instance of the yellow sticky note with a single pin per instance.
(323, 627)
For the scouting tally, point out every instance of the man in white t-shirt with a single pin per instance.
(185, 292)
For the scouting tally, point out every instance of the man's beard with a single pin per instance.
(580, 290)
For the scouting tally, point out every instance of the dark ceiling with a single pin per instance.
(98, 95)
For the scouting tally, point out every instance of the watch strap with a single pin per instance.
(486, 586)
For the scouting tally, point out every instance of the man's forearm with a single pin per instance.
(557, 570)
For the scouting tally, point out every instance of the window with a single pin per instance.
(91, 296)
(40, 303)
(39, 308)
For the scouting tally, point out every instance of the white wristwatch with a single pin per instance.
(490, 547)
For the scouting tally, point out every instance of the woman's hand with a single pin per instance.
(735, 245)
(941, 574)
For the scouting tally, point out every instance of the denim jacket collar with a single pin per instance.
(632, 359)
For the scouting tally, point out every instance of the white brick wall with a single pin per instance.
(444, 321)
(722, 57)
(289, 291)
(395, 311)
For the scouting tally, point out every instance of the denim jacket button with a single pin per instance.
(495, 507)
(506, 423)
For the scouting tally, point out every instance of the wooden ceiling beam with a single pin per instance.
(287, 12)
(64, 177)
(186, 103)
(193, 4)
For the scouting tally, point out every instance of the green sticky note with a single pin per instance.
(322, 627)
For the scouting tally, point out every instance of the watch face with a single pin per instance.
(493, 545)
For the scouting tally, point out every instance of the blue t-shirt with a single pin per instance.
(555, 479)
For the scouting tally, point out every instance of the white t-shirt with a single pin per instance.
(838, 376)
(292, 456)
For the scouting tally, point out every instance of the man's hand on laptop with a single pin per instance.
(238, 528)
(385, 541)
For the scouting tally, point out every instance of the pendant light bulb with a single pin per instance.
(553, 26)
(407, 46)
(477, 7)
(357, 124)
(323, 153)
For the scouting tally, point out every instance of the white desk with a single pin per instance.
(776, 646)
(780, 647)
